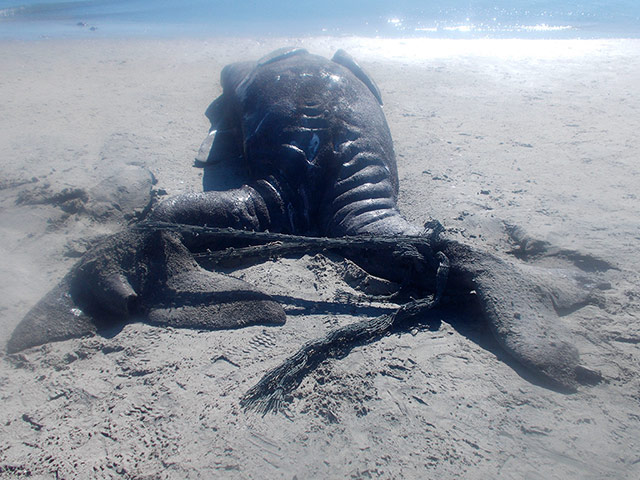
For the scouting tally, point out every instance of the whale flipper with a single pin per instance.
(222, 142)
(346, 60)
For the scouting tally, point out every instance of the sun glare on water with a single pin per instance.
(418, 49)
(479, 39)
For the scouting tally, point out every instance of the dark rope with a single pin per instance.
(268, 395)
(212, 243)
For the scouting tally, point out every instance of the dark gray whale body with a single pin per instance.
(314, 139)
(317, 145)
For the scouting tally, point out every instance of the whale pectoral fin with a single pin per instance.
(54, 318)
(204, 153)
(521, 314)
(217, 147)
(222, 142)
(212, 301)
(343, 58)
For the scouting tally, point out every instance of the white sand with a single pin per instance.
(538, 134)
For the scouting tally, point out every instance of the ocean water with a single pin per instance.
(473, 19)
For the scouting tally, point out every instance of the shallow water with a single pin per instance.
(402, 18)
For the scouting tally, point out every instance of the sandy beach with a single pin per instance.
(491, 134)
